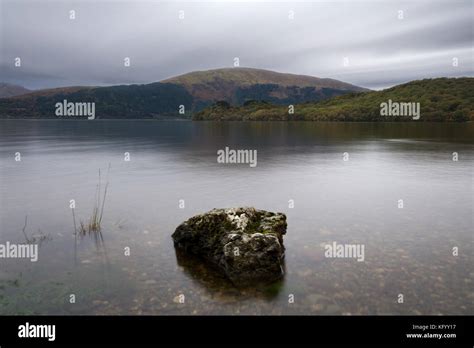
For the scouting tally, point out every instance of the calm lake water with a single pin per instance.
(408, 250)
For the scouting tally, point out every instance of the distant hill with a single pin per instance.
(8, 90)
(49, 92)
(441, 99)
(194, 91)
(238, 85)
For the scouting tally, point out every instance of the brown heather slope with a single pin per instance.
(222, 84)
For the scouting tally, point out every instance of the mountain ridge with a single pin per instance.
(249, 76)
(190, 92)
(236, 85)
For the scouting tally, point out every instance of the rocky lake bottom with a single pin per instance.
(132, 266)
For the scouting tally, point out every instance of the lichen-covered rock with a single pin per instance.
(245, 243)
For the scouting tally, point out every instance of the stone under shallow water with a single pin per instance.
(246, 244)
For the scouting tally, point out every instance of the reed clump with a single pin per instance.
(94, 223)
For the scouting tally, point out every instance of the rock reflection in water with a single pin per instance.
(213, 280)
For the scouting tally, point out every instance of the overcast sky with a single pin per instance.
(381, 50)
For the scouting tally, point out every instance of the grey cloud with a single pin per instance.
(382, 49)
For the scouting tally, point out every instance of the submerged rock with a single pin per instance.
(245, 243)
